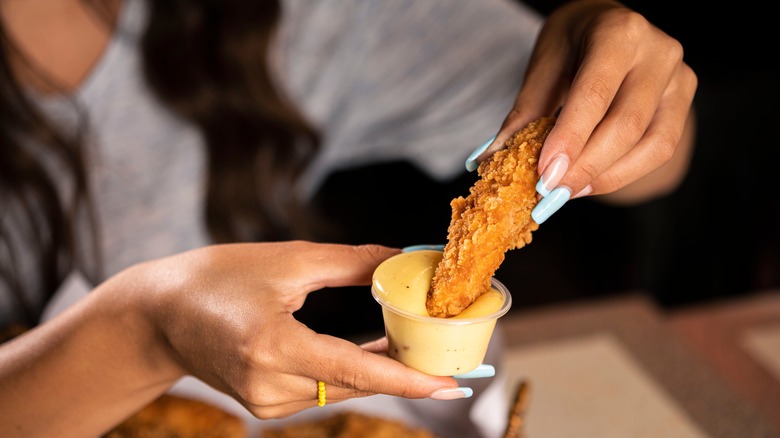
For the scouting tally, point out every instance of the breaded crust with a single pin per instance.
(171, 416)
(494, 218)
(348, 424)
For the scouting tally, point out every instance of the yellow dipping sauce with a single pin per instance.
(403, 281)
(437, 346)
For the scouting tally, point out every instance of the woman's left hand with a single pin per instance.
(625, 97)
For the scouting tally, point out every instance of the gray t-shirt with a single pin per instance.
(427, 81)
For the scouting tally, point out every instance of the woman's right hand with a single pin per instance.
(227, 314)
(223, 314)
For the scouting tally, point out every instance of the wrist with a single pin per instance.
(142, 311)
(99, 361)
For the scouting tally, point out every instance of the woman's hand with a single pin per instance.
(229, 318)
(625, 97)
(221, 313)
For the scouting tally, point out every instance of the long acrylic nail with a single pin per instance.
(483, 370)
(550, 204)
(552, 174)
(471, 161)
(421, 247)
(452, 393)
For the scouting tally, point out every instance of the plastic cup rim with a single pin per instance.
(498, 285)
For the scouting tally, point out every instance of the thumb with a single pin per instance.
(335, 265)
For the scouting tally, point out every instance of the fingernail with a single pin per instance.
(421, 247)
(550, 204)
(484, 370)
(471, 161)
(584, 192)
(452, 393)
(552, 174)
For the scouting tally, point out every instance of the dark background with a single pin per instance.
(716, 237)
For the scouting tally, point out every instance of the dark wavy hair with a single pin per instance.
(207, 60)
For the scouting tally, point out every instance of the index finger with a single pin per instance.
(598, 79)
(346, 365)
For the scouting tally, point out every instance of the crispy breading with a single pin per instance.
(170, 416)
(348, 425)
(494, 218)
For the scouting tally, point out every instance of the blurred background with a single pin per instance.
(716, 237)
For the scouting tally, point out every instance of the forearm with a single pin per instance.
(84, 371)
(663, 180)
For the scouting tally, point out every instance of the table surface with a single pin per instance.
(620, 367)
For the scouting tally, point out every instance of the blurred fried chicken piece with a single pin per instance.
(348, 425)
(494, 218)
(171, 416)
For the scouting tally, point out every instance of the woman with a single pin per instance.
(138, 135)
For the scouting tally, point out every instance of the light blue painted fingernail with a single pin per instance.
(541, 189)
(483, 370)
(550, 204)
(471, 161)
(421, 247)
(552, 174)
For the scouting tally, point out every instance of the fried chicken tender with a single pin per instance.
(348, 425)
(170, 416)
(494, 218)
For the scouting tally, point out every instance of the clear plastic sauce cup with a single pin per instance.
(436, 346)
